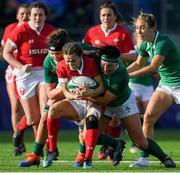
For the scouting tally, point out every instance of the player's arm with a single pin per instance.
(53, 92)
(128, 57)
(105, 99)
(67, 94)
(8, 55)
(138, 64)
(156, 62)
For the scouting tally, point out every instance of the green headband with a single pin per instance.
(109, 58)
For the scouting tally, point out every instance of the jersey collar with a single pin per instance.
(150, 44)
(109, 30)
(38, 32)
(155, 39)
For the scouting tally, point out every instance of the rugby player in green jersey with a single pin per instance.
(119, 100)
(165, 58)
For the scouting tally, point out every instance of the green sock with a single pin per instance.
(82, 148)
(143, 154)
(38, 148)
(107, 140)
(155, 150)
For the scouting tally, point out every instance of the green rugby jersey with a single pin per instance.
(49, 65)
(117, 83)
(170, 69)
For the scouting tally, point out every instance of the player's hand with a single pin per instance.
(81, 91)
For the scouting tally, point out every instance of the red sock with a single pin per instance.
(47, 144)
(53, 125)
(22, 125)
(113, 131)
(91, 137)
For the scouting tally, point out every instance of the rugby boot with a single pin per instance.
(32, 160)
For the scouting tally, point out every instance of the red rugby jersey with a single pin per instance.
(7, 32)
(89, 69)
(32, 45)
(118, 36)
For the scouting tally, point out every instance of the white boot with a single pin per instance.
(142, 162)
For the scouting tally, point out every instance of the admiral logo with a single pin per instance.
(97, 41)
(31, 41)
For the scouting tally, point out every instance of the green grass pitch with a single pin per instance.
(68, 146)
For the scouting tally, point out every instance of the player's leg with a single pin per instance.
(152, 114)
(82, 149)
(91, 133)
(60, 109)
(26, 84)
(93, 136)
(16, 110)
(143, 94)
(103, 139)
(113, 129)
(16, 114)
(34, 157)
(149, 146)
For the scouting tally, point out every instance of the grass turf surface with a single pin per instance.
(68, 146)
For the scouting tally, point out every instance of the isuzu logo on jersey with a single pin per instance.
(38, 51)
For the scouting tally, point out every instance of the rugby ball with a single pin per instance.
(75, 82)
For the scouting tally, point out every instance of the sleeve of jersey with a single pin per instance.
(61, 73)
(15, 37)
(4, 38)
(127, 43)
(86, 38)
(49, 77)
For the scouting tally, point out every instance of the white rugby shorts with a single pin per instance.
(174, 92)
(128, 108)
(26, 82)
(142, 91)
(81, 107)
(9, 74)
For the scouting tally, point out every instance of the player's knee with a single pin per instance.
(149, 120)
(91, 122)
(52, 111)
(94, 111)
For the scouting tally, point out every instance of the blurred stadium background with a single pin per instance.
(77, 16)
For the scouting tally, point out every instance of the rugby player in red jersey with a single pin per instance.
(16, 108)
(30, 40)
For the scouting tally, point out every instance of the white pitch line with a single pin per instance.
(103, 161)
